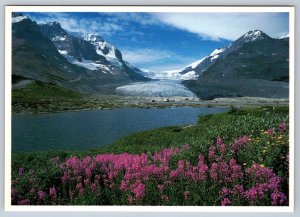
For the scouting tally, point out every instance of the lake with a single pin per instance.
(96, 128)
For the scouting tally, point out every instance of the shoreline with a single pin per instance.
(120, 102)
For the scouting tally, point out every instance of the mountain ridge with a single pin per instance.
(253, 65)
(47, 53)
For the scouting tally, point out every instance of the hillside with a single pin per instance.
(253, 65)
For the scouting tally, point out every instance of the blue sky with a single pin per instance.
(167, 41)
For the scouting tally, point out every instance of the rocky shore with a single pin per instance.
(114, 101)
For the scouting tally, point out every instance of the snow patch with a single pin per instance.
(195, 64)
(191, 75)
(88, 64)
(18, 19)
(253, 35)
(59, 38)
(217, 51)
(284, 36)
(63, 52)
(214, 57)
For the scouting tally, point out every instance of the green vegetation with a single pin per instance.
(44, 97)
(253, 138)
(39, 91)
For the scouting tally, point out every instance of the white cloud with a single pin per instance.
(144, 19)
(230, 26)
(72, 24)
(155, 59)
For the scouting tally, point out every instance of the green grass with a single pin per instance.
(45, 97)
(229, 125)
(41, 91)
(269, 151)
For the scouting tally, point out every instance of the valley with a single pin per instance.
(109, 109)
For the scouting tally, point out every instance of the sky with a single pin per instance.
(167, 41)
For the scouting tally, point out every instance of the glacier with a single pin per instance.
(156, 88)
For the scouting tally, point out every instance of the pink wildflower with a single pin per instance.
(278, 198)
(88, 172)
(123, 185)
(52, 193)
(93, 187)
(86, 181)
(270, 131)
(224, 192)
(211, 152)
(24, 202)
(79, 186)
(282, 127)
(139, 191)
(219, 140)
(165, 198)
(130, 200)
(225, 202)
(41, 195)
(160, 187)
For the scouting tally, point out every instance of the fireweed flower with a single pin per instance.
(130, 200)
(211, 152)
(52, 193)
(219, 140)
(282, 127)
(139, 191)
(86, 181)
(270, 131)
(165, 198)
(278, 198)
(224, 192)
(161, 187)
(213, 171)
(93, 187)
(79, 186)
(41, 195)
(136, 172)
(225, 202)
(24, 202)
(88, 172)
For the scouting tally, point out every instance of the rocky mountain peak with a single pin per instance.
(92, 37)
(17, 17)
(254, 35)
(102, 47)
(53, 30)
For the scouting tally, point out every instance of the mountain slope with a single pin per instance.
(48, 53)
(253, 65)
(34, 56)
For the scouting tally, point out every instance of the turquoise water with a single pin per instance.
(88, 129)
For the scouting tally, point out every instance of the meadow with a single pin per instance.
(238, 158)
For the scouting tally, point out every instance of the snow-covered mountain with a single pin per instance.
(253, 65)
(17, 17)
(102, 47)
(47, 52)
(88, 50)
(197, 68)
